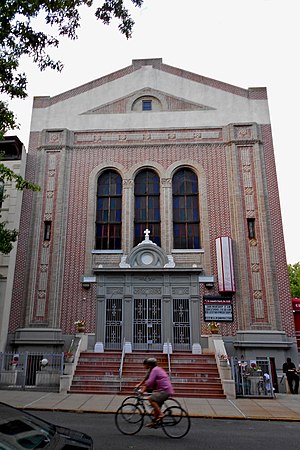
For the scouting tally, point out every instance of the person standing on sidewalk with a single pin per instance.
(289, 369)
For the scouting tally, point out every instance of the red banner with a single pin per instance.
(296, 304)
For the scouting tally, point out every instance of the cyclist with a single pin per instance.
(157, 381)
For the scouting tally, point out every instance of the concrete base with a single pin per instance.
(8, 377)
(65, 383)
(128, 347)
(83, 343)
(32, 339)
(196, 349)
(45, 378)
(167, 348)
(99, 348)
(68, 369)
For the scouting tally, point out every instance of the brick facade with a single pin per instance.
(196, 126)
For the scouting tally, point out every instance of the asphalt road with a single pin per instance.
(205, 434)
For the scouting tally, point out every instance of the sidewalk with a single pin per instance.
(283, 407)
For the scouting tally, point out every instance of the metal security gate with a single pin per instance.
(181, 324)
(253, 378)
(147, 324)
(24, 370)
(113, 323)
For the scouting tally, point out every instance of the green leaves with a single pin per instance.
(7, 119)
(7, 236)
(294, 276)
(7, 174)
(19, 37)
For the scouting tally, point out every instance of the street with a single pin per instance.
(206, 434)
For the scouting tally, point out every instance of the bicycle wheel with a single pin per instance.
(129, 419)
(170, 402)
(135, 401)
(176, 423)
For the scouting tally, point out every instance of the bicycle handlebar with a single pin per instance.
(140, 394)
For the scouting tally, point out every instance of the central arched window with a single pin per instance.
(109, 211)
(186, 220)
(147, 206)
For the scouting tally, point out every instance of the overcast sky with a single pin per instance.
(247, 43)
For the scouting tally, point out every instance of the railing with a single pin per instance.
(31, 370)
(169, 358)
(253, 378)
(121, 364)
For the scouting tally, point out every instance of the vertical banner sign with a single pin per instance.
(225, 264)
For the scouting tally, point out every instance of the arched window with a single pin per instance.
(146, 103)
(147, 206)
(186, 219)
(109, 211)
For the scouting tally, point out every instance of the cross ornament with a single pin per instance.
(146, 233)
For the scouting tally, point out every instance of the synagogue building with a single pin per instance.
(158, 213)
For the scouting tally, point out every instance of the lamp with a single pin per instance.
(87, 281)
(207, 280)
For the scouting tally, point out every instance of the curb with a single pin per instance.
(194, 416)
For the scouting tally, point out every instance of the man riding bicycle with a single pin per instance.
(157, 382)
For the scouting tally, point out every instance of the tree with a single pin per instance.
(18, 37)
(7, 236)
(294, 276)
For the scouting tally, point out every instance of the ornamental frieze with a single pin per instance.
(117, 291)
(180, 291)
(113, 137)
(147, 291)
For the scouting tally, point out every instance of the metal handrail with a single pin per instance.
(169, 358)
(121, 364)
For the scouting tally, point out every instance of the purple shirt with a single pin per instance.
(159, 380)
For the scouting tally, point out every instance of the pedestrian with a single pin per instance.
(290, 371)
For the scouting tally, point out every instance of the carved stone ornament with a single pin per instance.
(243, 132)
(147, 254)
(54, 137)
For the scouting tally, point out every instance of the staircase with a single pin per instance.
(97, 373)
(192, 375)
(196, 376)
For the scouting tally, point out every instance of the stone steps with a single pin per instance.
(192, 375)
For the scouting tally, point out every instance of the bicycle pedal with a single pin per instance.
(151, 425)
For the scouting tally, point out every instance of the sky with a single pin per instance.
(246, 43)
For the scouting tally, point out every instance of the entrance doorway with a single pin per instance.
(113, 323)
(181, 324)
(147, 324)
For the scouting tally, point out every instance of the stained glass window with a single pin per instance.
(147, 206)
(109, 211)
(186, 220)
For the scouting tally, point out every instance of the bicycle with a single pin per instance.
(130, 418)
(138, 399)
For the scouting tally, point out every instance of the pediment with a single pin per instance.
(162, 101)
(147, 255)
